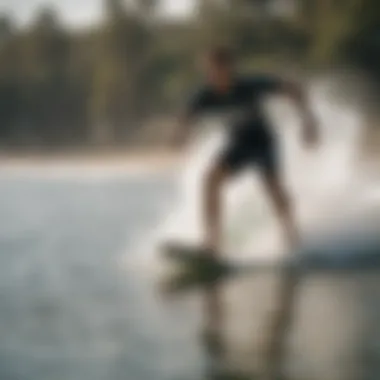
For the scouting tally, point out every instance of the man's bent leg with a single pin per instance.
(283, 207)
(212, 191)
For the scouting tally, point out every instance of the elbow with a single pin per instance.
(296, 93)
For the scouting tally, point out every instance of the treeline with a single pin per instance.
(105, 85)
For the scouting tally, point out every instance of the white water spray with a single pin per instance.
(327, 184)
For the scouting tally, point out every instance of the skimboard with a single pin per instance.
(194, 266)
(198, 258)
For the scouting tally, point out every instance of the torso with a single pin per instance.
(241, 106)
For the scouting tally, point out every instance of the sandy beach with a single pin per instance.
(156, 160)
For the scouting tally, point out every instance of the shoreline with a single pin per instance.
(155, 160)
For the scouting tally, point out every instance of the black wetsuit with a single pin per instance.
(251, 141)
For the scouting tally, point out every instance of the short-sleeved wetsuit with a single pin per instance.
(251, 141)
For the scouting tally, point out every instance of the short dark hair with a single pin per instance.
(221, 55)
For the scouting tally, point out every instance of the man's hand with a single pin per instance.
(310, 133)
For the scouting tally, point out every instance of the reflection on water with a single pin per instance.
(326, 326)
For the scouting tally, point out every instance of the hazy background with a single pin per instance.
(113, 73)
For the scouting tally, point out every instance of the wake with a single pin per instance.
(337, 202)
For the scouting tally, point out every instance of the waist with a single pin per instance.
(258, 130)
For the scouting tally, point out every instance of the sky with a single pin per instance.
(79, 12)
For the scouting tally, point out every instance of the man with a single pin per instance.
(250, 140)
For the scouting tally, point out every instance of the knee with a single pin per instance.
(213, 181)
(283, 200)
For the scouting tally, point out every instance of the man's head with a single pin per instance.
(219, 67)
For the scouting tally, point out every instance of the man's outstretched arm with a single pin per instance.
(194, 107)
(300, 98)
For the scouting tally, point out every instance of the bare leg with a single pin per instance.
(213, 184)
(283, 208)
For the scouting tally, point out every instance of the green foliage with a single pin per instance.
(61, 87)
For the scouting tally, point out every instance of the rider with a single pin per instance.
(250, 140)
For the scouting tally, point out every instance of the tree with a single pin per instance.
(64, 87)
(117, 102)
(6, 28)
(45, 54)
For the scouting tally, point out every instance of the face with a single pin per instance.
(218, 75)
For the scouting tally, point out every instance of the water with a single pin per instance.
(68, 311)
(72, 306)
(77, 303)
